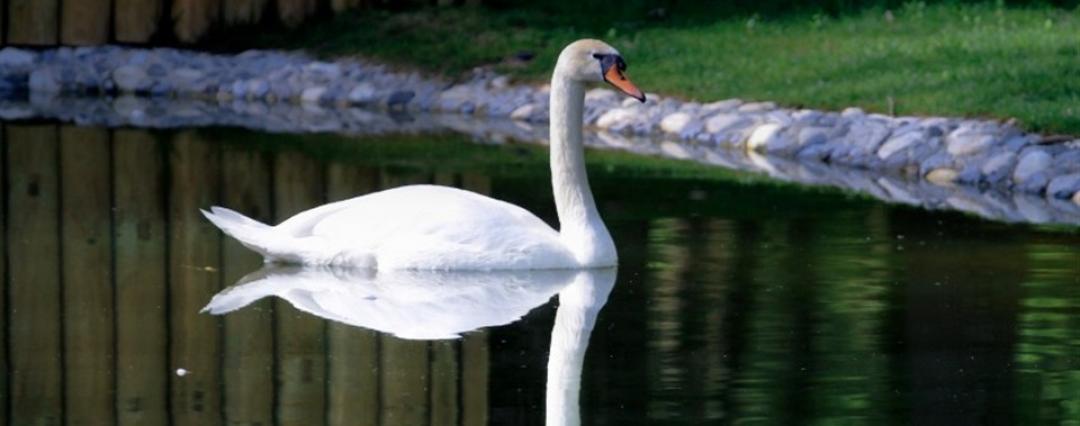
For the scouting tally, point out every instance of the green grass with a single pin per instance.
(954, 60)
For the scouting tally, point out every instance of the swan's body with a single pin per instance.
(435, 227)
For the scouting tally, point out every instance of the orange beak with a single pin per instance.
(619, 80)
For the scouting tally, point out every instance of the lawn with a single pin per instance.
(954, 60)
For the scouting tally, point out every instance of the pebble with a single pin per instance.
(675, 123)
(942, 176)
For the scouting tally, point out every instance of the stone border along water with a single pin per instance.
(988, 157)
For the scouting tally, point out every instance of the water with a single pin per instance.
(735, 302)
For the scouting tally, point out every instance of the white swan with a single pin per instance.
(443, 228)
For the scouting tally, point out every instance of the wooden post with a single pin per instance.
(243, 11)
(141, 330)
(353, 359)
(35, 304)
(86, 221)
(5, 394)
(301, 337)
(194, 277)
(444, 383)
(136, 21)
(475, 363)
(85, 22)
(404, 372)
(33, 22)
(249, 340)
(193, 18)
(293, 12)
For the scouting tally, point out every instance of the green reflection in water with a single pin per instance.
(1048, 353)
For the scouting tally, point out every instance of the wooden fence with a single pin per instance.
(109, 262)
(92, 22)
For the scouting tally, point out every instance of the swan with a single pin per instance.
(442, 228)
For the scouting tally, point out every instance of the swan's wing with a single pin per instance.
(426, 226)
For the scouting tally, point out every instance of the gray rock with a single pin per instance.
(757, 107)
(723, 123)
(899, 143)
(1064, 187)
(726, 105)
(998, 167)
(617, 117)
(258, 89)
(813, 135)
(852, 112)
(1032, 162)
(967, 141)
(44, 80)
(1034, 183)
(400, 99)
(676, 122)
(131, 78)
(12, 59)
(363, 94)
(312, 95)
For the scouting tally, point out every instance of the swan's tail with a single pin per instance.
(253, 234)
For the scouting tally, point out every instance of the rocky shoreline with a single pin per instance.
(945, 152)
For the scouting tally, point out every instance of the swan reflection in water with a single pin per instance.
(432, 305)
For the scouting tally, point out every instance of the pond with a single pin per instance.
(736, 299)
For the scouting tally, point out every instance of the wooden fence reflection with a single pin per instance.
(109, 263)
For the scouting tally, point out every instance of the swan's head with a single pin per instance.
(591, 60)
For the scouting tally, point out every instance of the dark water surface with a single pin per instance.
(734, 302)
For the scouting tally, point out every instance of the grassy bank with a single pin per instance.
(976, 61)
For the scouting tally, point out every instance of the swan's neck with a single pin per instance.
(579, 222)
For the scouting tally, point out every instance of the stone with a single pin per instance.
(768, 137)
(258, 89)
(942, 176)
(722, 123)
(616, 117)
(852, 112)
(362, 94)
(523, 113)
(12, 58)
(1064, 187)
(757, 107)
(1035, 183)
(813, 135)
(400, 99)
(312, 95)
(998, 167)
(726, 105)
(1076, 198)
(131, 78)
(967, 141)
(324, 71)
(899, 143)
(601, 96)
(674, 123)
(44, 81)
(1031, 162)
